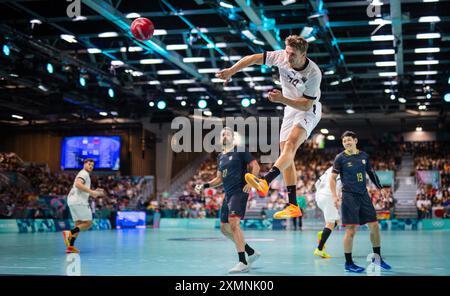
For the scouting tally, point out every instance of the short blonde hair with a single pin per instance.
(297, 42)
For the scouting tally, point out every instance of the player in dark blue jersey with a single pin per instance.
(231, 169)
(357, 209)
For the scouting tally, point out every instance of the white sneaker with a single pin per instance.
(253, 257)
(240, 267)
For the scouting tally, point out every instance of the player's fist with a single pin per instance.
(225, 74)
(199, 188)
(275, 96)
(98, 192)
(384, 193)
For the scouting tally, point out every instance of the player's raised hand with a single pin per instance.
(225, 74)
(275, 96)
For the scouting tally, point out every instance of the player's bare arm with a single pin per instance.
(246, 61)
(302, 103)
(336, 198)
(217, 181)
(79, 184)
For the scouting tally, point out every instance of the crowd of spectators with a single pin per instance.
(45, 197)
(310, 164)
(432, 156)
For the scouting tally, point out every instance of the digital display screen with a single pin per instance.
(130, 219)
(105, 150)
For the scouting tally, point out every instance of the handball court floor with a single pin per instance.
(204, 252)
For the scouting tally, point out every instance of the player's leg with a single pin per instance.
(322, 237)
(82, 215)
(350, 219)
(368, 215)
(331, 216)
(350, 231)
(286, 163)
(225, 228)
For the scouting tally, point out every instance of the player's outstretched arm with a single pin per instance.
(213, 183)
(246, 61)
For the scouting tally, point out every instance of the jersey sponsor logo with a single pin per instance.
(364, 161)
(349, 164)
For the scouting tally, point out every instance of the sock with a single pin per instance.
(325, 234)
(348, 258)
(292, 194)
(72, 241)
(75, 230)
(242, 257)
(272, 174)
(249, 250)
(377, 250)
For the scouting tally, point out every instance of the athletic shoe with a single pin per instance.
(72, 249)
(240, 267)
(67, 235)
(322, 254)
(352, 267)
(291, 211)
(253, 258)
(258, 183)
(382, 264)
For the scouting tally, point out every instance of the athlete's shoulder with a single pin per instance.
(315, 70)
(363, 154)
(340, 155)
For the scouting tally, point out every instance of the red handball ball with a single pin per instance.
(142, 28)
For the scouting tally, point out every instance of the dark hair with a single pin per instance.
(88, 160)
(349, 134)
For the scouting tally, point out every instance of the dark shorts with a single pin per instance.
(233, 206)
(357, 209)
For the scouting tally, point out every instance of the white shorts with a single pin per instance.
(80, 212)
(325, 203)
(307, 120)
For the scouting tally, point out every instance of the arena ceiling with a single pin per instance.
(374, 61)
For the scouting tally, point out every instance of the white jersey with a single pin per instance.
(76, 196)
(295, 83)
(323, 184)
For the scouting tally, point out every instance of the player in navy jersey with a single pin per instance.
(357, 209)
(231, 169)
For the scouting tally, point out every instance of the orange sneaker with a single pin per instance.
(258, 183)
(67, 235)
(291, 211)
(72, 249)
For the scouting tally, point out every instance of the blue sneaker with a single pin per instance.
(383, 265)
(352, 267)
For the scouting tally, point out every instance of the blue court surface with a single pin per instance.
(205, 252)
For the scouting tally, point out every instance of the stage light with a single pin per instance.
(202, 104)
(245, 102)
(111, 93)
(50, 68)
(161, 105)
(6, 50)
